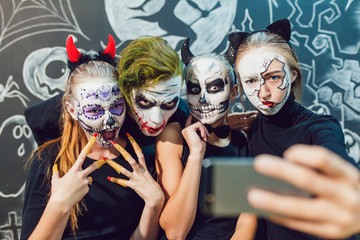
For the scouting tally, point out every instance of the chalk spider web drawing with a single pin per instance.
(43, 16)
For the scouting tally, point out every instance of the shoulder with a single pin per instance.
(171, 133)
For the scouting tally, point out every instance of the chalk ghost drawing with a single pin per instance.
(17, 139)
(36, 74)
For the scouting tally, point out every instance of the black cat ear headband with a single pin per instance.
(281, 27)
(76, 58)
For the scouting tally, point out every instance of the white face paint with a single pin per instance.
(265, 78)
(208, 89)
(153, 106)
(99, 107)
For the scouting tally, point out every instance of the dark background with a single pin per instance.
(32, 58)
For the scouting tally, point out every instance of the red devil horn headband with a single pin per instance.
(110, 48)
(73, 54)
(76, 58)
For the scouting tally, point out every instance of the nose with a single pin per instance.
(202, 99)
(264, 92)
(109, 120)
(156, 116)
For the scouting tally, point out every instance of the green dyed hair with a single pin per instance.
(145, 62)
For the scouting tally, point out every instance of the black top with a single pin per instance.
(113, 211)
(291, 125)
(207, 227)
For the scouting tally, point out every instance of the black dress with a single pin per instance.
(215, 228)
(274, 134)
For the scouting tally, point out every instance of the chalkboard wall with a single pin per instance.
(32, 59)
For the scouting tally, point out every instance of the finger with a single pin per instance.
(189, 120)
(90, 180)
(119, 181)
(121, 150)
(294, 207)
(137, 150)
(204, 133)
(55, 171)
(99, 163)
(89, 169)
(301, 177)
(84, 152)
(117, 167)
(321, 229)
(324, 160)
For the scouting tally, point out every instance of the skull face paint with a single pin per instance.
(265, 78)
(208, 89)
(153, 106)
(99, 107)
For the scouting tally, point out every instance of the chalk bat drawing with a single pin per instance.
(199, 20)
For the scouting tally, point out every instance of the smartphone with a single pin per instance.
(225, 182)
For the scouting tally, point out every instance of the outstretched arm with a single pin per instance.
(334, 212)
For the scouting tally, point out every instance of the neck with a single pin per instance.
(97, 151)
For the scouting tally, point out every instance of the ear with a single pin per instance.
(71, 110)
(293, 75)
(235, 39)
(186, 54)
(234, 92)
(281, 27)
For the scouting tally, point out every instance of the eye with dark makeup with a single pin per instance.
(93, 110)
(142, 102)
(215, 86)
(193, 88)
(170, 105)
(117, 107)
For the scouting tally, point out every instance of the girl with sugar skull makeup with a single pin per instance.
(211, 85)
(270, 76)
(65, 197)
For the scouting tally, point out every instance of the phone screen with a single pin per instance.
(225, 182)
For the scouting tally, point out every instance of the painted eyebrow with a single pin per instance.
(175, 98)
(265, 74)
(141, 96)
(213, 81)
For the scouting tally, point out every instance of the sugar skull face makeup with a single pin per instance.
(208, 89)
(99, 107)
(153, 106)
(265, 78)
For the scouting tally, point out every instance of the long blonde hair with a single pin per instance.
(73, 138)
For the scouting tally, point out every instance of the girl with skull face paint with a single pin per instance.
(211, 85)
(270, 76)
(92, 105)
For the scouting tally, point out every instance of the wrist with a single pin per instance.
(60, 205)
(156, 202)
(197, 156)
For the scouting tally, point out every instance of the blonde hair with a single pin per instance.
(267, 39)
(73, 137)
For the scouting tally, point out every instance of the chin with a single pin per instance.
(147, 133)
